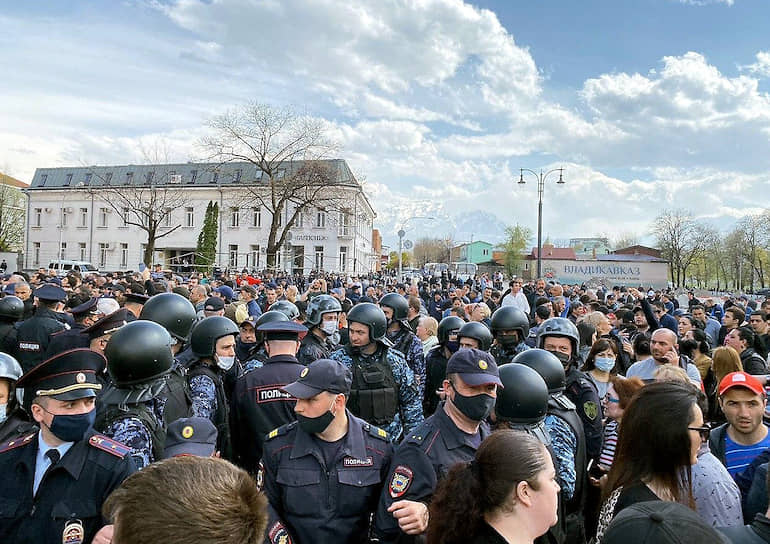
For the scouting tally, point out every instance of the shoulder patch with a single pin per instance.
(591, 410)
(379, 433)
(277, 534)
(17, 442)
(400, 481)
(105, 443)
(283, 429)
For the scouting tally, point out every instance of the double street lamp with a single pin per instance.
(541, 177)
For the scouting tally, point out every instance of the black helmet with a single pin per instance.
(510, 318)
(524, 396)
(289, 309)
(268, 317)
(11, 307)
(398, 304)
(173, 311)
(478, 331)
(559, 326)
(139, 352)
(319, 305)
(446, 326)
(373, 317)
(207, 331)
(547, 365)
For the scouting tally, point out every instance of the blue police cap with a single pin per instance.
(475, 367)
(190, 436)
(69, 375)
(321, 375)
(282, 330)
(50, 292)
(88, 307)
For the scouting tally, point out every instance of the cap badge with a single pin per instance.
(483, 365)
(304, 372)
(739, 378)
(187, 432)
(80, 378)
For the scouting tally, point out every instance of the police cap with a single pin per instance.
(321, 375)
(88, 307)
(190, 436)
(282, 330)
(107, 324)
(475, 367)
(69, 375)
(137, 298)
(50, 292)
(214, 304)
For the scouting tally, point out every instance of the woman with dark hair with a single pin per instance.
(587, 333)
(641, 344)
(619, 394)
(701, 352)
(658, 444)
(507, 494)
(600, 364)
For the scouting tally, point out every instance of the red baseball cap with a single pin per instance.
(740, 379)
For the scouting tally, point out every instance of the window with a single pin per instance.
(124, 216)
(38, 217)
(343, 227)
(193, 176)
(189, 214)
(233, 256)
(82, 251)
(103, 247)
(123, 255)
(63, 250)
(36, 253)
(320, 219)
(299, 222)
(238, 175)
(254, 251)
(103, 212)
(129, 177)
(107, 178)
(319, 257)
(87, 180)
(64, 217)
(68, 180)
(166, 221)
(150, 176)
(235, 218)
(343, 259)
(43, 179)
(257, 217)
(83, 218)
(215, 177)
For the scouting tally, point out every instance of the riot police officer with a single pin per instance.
(259, 403)
(213, 343)
(449, 436)
(131, 408)
(510, 327)
(14, 420)
(287, 308)
(258, 355)
(396, 310)
(11, 311)
(34, 334)
(322, 320)
(55, 480)
(384, 391)
(436, 360)
(323, 473)
(475, 335)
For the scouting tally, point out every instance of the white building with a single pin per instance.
(68, 217)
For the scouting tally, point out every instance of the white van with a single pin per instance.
(64, 267)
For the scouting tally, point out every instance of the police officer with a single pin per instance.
(133, 302)
(34, 334)
(99, 334)
(258, 354)
(259, 403)
(55, 480)
(475, 335)
(396, 310)
(131, 409)
(322, 320)
(449, 436)
(85, 315)
(384, 391)
(11, 311)
(286, 307)
(559, 336)
(14, 420)
(436, 360)
(323, 473)
(510, 327)
(213, 343)
(567, 440)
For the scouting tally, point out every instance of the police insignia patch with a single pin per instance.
(591, 409)
(304, 372)
(402, 479)
(483, 365)
(278, 534)
(187, 432)
(73, 532)
(80, 378)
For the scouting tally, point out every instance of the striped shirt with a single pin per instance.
(609, 443)
(738, 456)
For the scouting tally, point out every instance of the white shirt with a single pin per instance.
(519, 300)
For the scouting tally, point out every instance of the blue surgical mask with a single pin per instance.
(605, 364)
(3, 412)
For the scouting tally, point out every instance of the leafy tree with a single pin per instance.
(206, 250)
(517, 238)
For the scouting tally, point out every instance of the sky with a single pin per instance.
(436, 105)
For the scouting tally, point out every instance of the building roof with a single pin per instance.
(630, 257)
(554, 253)
(475, 242)
(13, 182)
(638, 250)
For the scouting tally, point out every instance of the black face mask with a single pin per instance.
(453, 345)
(475, 408)
(563, 358)
(315, 425)
(508, 340)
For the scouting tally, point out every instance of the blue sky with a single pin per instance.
(647, 104)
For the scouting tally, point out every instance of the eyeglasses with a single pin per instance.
(612, 399)
(704, 431)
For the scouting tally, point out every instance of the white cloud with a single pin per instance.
(762, 66)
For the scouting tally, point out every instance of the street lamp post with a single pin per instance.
(401, 233)
(540, 187)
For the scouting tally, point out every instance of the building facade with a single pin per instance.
(473, 252)
(70, 216)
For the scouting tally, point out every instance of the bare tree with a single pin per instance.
(289, 152)
(432, 250)
(681, 240)
(12, 213)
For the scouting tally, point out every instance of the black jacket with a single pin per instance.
(756, 533)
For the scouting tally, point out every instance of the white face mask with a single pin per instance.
(225, 363)
(3, 412)
(329, 327)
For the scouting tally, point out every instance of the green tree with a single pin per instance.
(517, 239)
(206, 250)
(406, 260)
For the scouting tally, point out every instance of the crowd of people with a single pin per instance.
(247, 408)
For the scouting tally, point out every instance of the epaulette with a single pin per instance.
(420, 435)
(17, 442)
(283, 429)
(105, 443)
(377, 432)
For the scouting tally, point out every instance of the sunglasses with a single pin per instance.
(704, 431)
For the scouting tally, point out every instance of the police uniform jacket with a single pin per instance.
(260, 405)
(583, 394)
(311, 502)
(66, 340)
(73, 489)
(34, 336)
(420, 461)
